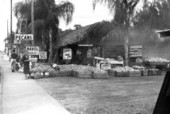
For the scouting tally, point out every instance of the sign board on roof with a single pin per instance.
(26, 37)
(42, 55)
(135, 51)
(33, 50)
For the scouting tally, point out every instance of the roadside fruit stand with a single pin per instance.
(102, 70)
(80, 71)
(156, 62)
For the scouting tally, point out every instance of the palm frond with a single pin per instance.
(123, 10)
(22, 8)
(109, 3)
(65, 10)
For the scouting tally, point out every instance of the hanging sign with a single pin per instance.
(67, 54)
(33, 50)
(26, 37)
(42, 55)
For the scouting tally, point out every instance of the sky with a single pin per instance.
(83, 15)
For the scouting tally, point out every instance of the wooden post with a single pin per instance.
(127, 50)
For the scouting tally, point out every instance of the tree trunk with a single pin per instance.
(127, 50)
(56, 51)
(127, 26)
(50, 47)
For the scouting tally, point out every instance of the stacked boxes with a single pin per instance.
(133, 71)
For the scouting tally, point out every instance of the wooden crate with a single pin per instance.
(66, 73)
(144, 72)
(111, 72)
(137, 73)
(131, 73)
(54, 74)
(122, 74)
(150, 72)
(154, 72)
(82, 74)
(100, 75)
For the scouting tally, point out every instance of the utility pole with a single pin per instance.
(6, 43)
(11, 25)
(7, 29)
(32, 20)
(32, 25)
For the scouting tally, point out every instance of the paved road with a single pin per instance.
(21, 96)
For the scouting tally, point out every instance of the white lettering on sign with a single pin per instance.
(23, 36)
(33, 50)
(42, 55)
(136, 51)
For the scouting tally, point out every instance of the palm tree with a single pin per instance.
(123, 10)
(47, 14)
(123, 15)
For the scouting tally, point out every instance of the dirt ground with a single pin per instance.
(118, 95)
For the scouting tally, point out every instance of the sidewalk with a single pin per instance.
(21, 96)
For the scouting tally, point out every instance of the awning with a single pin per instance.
(163, 33)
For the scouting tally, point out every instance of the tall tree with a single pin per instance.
(154, 15)
(123, 10)
(123, 15)
(47, 14)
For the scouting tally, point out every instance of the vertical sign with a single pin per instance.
(67, 54)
